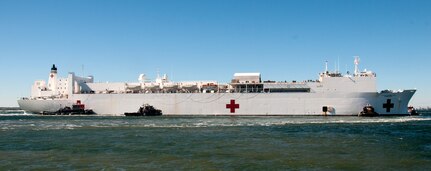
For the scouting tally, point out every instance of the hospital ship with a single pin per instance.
(332, 93)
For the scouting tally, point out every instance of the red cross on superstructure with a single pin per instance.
(232, 106)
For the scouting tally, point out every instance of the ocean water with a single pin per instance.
(33, 142)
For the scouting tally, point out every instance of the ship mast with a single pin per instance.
(326, 67)
(356, 65)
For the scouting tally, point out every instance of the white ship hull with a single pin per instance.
(248, 103)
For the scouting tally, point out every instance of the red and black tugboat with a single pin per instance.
(412, 110)
(145, 110)
(77, 109)
(368, 110)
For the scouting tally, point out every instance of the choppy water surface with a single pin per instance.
(214, 143)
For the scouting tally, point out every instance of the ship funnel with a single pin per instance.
(53, 69)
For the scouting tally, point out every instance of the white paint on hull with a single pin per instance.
(341, 103)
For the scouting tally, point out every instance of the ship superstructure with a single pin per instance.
(331, 94)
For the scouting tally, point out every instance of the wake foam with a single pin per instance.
(70, 123)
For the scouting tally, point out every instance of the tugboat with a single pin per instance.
(145, 110)
(77, 109)
(368, 110)
(412, 111)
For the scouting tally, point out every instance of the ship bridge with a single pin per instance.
(285, 87)
(251, 83)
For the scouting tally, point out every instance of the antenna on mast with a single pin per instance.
(335, 66)
(326, 67)
(82, 68)
(356, 65)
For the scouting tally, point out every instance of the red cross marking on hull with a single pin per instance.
(232, 106)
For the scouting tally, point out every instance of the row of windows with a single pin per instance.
(60, 84)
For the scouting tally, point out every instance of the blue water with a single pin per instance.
(33, 142)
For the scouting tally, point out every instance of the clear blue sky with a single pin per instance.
(211, 40)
